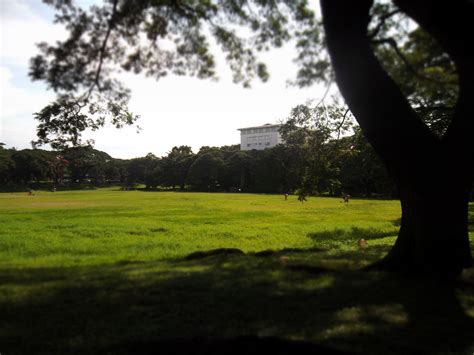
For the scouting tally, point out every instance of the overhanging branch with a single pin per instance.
(393, 44)
(110, 25)
(387, 120)
(342, 123)
(382, 21)
(451, 25)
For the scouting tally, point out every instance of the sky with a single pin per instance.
(173, 111)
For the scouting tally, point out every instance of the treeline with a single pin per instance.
(307, 163)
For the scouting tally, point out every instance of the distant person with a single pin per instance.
(30, 192)
(286, 196)
(346, 198)
(302, 197)
(283, 260)
(362, 244)
(53, 189)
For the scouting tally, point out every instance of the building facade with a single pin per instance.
(259, 137)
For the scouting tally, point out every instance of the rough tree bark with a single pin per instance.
(434, 175)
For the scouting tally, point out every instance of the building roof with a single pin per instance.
(266, 125)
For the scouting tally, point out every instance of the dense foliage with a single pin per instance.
(346, 165)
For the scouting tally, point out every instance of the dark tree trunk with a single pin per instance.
(433, 236)
(433, 175)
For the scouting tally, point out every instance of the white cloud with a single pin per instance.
(20, 29)
(16, 101)
(17, 105)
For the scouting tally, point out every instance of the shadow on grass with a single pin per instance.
(470, 221)
(353, 233)
(228, 304)
(240, 345)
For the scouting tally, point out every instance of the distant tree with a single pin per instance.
(7, 165)
(206, 171)
(85, 162)
(115, 170)
(272, 170)
(361, 172)
(227, 180)
(154, 177)
(31, 165)
(58, 165)
(140, 170)
(239, 167)
(307, 132)
(175, 166)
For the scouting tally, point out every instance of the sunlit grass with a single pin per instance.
(95, 227)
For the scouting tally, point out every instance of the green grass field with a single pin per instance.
(98, 271)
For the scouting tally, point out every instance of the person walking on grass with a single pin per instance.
(346, 198)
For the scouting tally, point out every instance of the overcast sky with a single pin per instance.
(174, 111)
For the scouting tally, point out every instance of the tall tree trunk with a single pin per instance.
(433, 175)
(433, 236)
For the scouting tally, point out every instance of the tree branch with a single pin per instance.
(381, 23)
(342, 122)
(325, 94)
(110, 26)
(450, 25)
(388, 121)
(392, 43)
(435, 108)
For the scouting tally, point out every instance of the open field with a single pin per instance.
(107, 226)
(105, 272)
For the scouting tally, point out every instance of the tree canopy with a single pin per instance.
(156, 38)
(159, 38)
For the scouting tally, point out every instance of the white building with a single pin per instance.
(260, 137)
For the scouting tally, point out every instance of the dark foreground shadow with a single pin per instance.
(470, 221)
(235, 304)
(216, 346)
